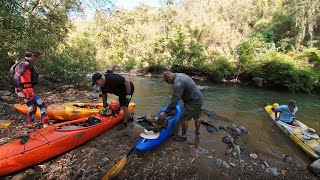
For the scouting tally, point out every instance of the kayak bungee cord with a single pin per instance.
(25, 139)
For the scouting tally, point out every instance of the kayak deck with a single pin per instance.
(310, 146)
(148, 144)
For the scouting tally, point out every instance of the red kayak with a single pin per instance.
(55, 139)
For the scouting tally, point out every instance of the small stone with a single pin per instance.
(227, 140)
(253, 156)
(273, 171)
(283, 172)
(315, 167)
(232, 164)
(222, 163)
(286, 158)
(238, 131)
(30, 172)
(243, 129)
(19, 176)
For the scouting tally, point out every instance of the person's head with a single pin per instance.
(98, 79)
(168, 77)
(292, 104)
(32, 55)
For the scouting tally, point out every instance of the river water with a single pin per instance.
(240, 105)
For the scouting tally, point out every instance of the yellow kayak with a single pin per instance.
(310, 145)
(67, 111)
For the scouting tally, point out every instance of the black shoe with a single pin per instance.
(122, 126)
(179, 138)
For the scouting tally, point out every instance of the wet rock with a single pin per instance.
(238, 131)
(222, 163)
(253, 156)
(237, 150)
(286, 158)
(273, 171)
(227, 140)
(315, 167)
(208, 113)
(243, 129)
(201, 150)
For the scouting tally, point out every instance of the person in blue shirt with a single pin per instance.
(288, 112)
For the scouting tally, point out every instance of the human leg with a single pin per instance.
(32, 111)
(43, 110)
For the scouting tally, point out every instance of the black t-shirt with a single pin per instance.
(114, 84)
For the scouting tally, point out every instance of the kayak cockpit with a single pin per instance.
(91, 121)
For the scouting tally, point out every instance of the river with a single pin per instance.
(240, 105)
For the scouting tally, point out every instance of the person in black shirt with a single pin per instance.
(117, 85)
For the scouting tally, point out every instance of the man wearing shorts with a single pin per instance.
(117, 85)
(186, 89)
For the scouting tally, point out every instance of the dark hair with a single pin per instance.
(292, 102)
(31, 52)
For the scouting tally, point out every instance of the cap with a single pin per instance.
(96, 77)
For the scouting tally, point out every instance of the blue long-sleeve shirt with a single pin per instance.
(285, 114)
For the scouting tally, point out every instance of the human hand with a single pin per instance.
(162, 115)
(21, 95)
(128, 97)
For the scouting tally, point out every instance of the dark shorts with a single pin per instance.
(191, 111)
(291, 123)
(122, 98)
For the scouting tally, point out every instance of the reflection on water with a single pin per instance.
(242, 106)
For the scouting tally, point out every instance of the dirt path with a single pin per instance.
(172, 160)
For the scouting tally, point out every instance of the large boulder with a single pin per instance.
(315, 167)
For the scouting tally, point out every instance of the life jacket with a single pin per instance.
(30, 76)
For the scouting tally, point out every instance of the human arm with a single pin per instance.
(127, 85)
(19, 70)
(104, 100)
(177, 94)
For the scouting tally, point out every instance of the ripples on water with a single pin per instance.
(242, 106)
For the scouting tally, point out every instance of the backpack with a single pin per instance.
(34, 74)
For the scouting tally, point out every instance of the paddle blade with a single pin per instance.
(114, 171)
(4, 123)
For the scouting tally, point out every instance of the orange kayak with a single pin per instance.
(55, 139)
(66, 111)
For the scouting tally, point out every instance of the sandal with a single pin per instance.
(179, 138)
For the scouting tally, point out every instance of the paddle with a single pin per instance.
(114, 171)
(4, 123)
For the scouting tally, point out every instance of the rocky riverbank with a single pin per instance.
(230, 159)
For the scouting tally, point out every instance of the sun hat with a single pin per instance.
(149, 134)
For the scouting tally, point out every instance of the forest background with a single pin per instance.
(270, 44)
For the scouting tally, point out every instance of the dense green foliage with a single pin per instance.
(266, 43)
